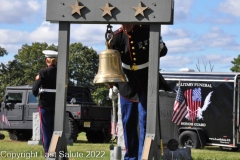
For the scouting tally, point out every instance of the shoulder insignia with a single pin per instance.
(37, 77)
(43, 69)
(119, 30)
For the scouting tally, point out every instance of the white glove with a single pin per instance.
(113, 93)
(115, 90)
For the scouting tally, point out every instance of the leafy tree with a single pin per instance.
(83, 65)
(10, 75)
(25, 66)
(32, 60)
(2, 70)
(101, 95)
(236, 64)
(3, 52)
(82, 68)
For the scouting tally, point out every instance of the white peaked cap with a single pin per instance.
(50, 53)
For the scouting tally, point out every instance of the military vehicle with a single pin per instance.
(19, 104)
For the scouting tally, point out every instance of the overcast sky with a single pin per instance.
(202, 30)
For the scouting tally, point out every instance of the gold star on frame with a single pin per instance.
(139, 9)
(76, 8)
(107, 10)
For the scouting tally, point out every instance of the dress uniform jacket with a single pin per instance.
(134, 50)
(46, 79)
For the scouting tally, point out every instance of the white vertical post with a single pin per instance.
(36, 132)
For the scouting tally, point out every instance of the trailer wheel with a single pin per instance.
(73, 129)
(189, 139)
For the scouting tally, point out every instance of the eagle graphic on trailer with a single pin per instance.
(194, 101)
(211, 109)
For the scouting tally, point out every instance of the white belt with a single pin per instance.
(46, 90)
(135, 67)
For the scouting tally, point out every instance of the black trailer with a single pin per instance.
(212, 104)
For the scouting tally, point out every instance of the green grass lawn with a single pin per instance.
(214, 153)
(83, 150)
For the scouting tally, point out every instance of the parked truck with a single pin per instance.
(212, 103)
(84, 115)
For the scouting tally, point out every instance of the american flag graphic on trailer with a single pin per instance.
(194, 100)
(180, 107)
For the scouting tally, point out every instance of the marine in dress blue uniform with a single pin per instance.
(44, 89)
(133, 46)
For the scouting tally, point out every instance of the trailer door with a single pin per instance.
(238, 111)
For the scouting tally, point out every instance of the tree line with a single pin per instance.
(82, 68)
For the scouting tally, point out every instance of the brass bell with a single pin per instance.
(110, 69)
